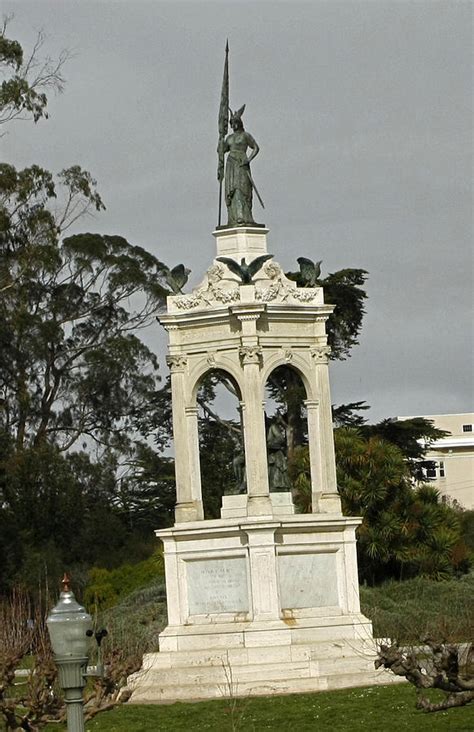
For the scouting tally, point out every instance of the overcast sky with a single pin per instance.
(363, 114)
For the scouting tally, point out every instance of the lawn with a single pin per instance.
(382, 708)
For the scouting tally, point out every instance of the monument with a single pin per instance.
(262, 596)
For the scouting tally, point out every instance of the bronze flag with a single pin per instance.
(223, 114)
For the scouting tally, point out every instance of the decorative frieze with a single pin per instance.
(282, 288)
(209, 294)
(217, 288)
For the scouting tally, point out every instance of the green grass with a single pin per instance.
(381, 709)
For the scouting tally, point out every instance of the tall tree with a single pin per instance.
(405, 530)
(27, 79)
(72, 364)
(413, 436)
(344, 290)
(79, 388)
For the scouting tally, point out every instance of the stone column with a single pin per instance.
(192, 432)
(325, 496)
(315, 458)
(254, 434)
(188, 498)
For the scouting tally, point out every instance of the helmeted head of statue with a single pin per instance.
(236, 118)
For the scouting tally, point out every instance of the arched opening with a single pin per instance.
(286, 427)
(221, 448)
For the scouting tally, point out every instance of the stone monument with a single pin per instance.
(263, 596)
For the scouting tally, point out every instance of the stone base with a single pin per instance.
(260, 605)
(257, 671)
(236, 506)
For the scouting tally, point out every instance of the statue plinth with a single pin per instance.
(241, 241)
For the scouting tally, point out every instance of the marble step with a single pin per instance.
(266, 671)
(219, 674)
(156, 693)
(270, 654)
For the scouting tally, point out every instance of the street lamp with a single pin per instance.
(68, 625)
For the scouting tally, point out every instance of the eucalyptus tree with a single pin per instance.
(80, 390)
(27, 78)
(72, 364)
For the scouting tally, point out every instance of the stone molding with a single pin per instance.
(191, 411)
(247, 316)
(311, 403)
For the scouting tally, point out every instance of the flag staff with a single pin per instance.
(223, 125)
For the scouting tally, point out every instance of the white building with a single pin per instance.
(452, 471)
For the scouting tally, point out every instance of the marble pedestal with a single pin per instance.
(259, 605)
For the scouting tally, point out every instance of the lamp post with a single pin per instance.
(68, 625)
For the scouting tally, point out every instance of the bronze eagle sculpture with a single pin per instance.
(245, 272)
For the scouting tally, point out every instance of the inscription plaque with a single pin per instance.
(217, 586)
(307, 580)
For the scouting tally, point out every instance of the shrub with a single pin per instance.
(107, 587)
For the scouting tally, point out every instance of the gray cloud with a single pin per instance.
(363, 112)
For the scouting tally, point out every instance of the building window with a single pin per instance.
(467, 428)
(430, 470)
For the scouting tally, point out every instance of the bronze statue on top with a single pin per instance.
(238, 180)
(239, 184)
